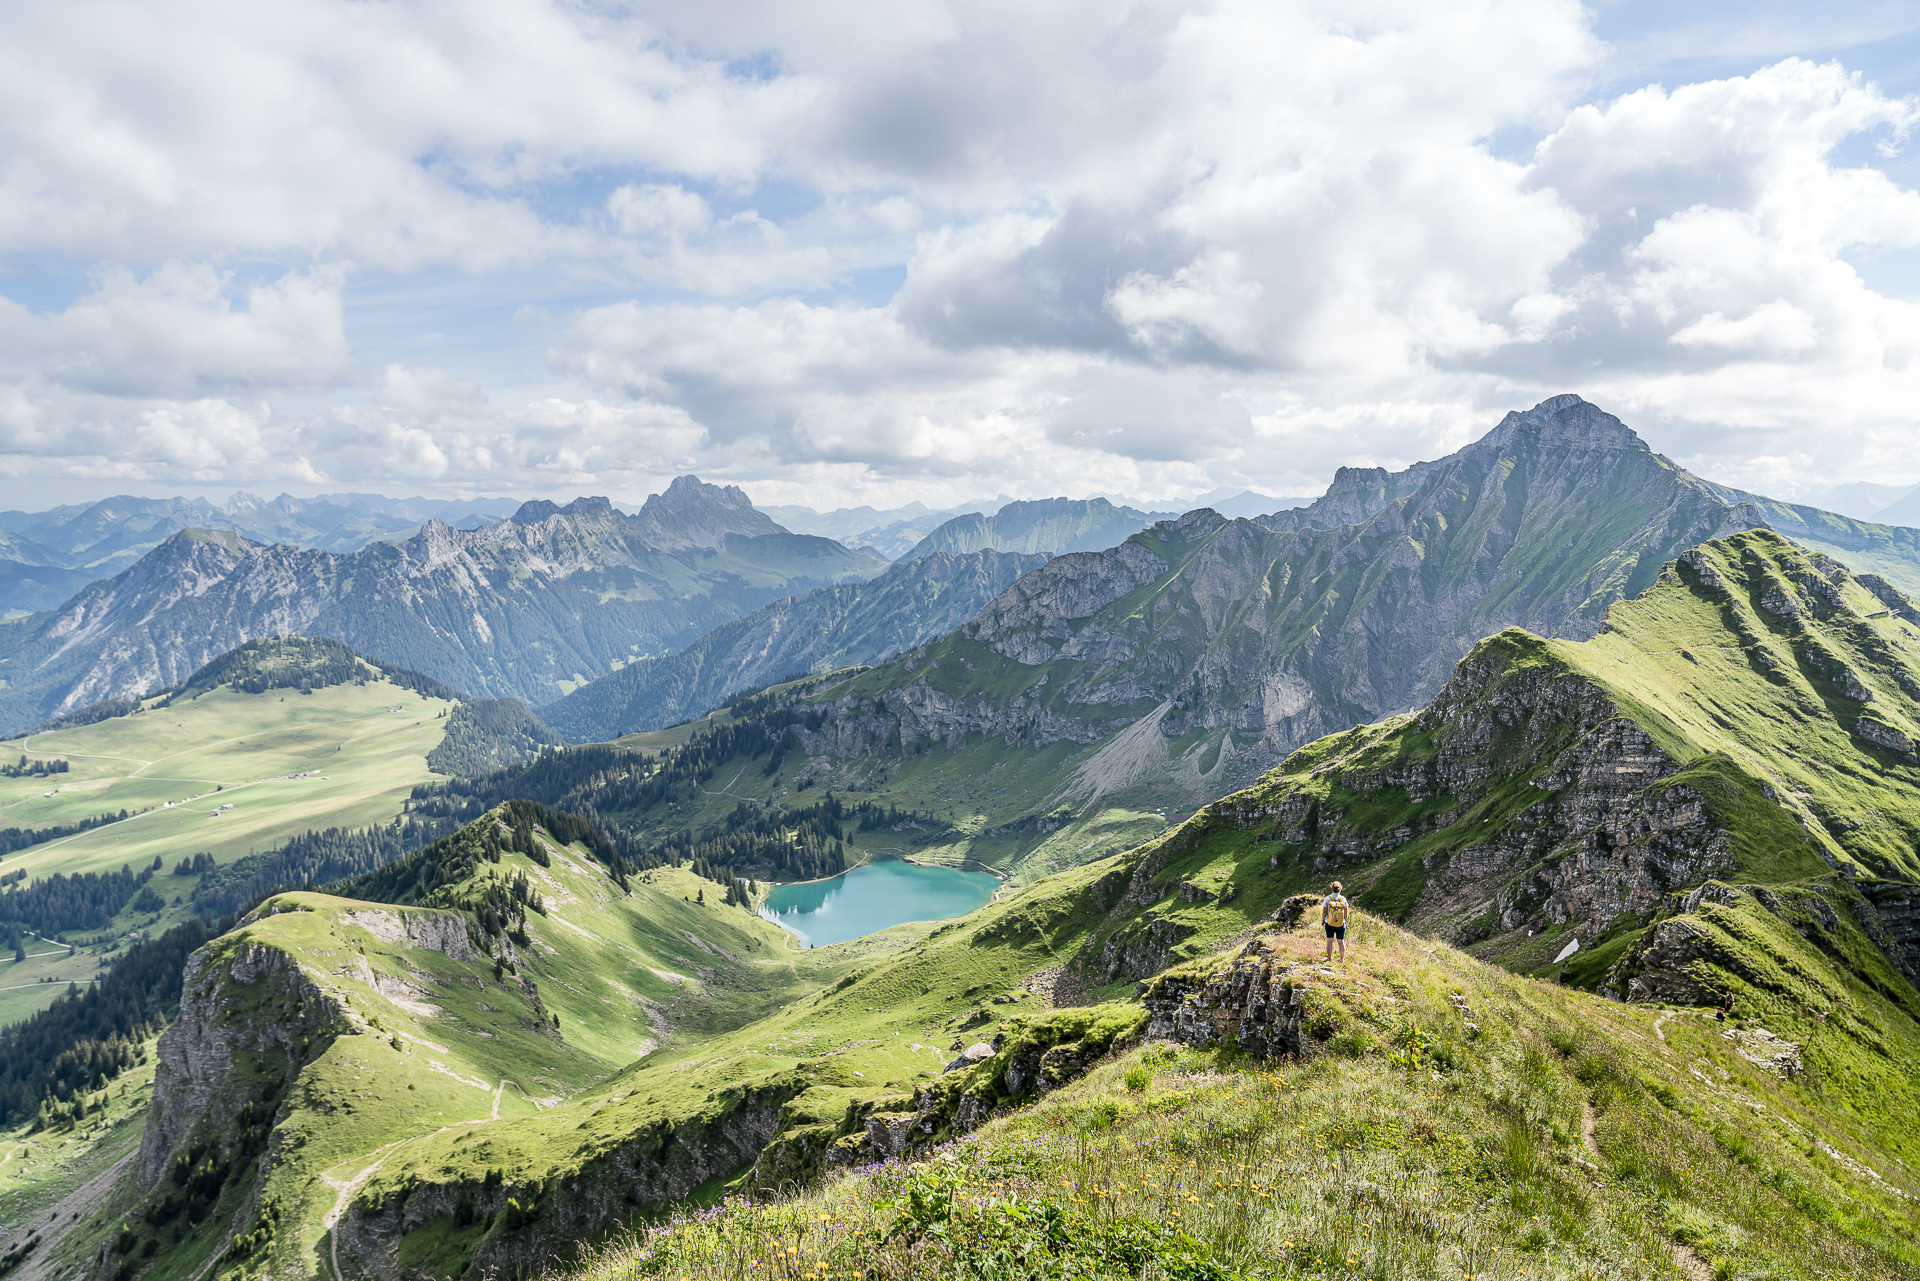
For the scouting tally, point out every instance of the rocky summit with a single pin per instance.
(1203, 650)
(518, 609)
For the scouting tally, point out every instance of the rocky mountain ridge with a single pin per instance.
(46, 556)
(831, 627)
(1749, 719)
(513, 609)
(1053, 526)
(1203, 650)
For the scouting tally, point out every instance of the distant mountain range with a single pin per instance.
(891, 532)
(1203, 650)
(46, 556)
(1198, 653)
(1055, 526)
(854, 624)
(523, 608)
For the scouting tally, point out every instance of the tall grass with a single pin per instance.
(1431, 1158)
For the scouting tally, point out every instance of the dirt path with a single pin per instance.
(332, 1221)
(70, 1211)
(1690, 1263)
(1656, 1026)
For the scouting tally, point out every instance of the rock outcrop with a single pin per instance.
(1259, 1003)
(249, 1020)
(551, 1217)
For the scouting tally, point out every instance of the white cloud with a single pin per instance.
(1153, 248)
(179, 330)
(1777, 328)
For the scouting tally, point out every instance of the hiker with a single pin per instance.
(1333, 915)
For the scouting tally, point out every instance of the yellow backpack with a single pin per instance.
(1337, 910)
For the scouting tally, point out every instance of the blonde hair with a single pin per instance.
(1336, 887)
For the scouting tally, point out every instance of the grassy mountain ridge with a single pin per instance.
(286, 760)
(1868, 546)
(1747, 717)
(346, 1024)
(1459, 1122)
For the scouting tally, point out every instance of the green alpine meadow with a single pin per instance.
(327, 968)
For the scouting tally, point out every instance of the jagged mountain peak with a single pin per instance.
(535, 510)
(1569, 422)
(692, 513)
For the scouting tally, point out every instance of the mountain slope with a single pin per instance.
(1752, 717)
(1441, 1065)
(1053, 526)
(830, 627)
(1179, 665)
(471, 991)
(1639, 784)
(1241, 640)
(516, 609)
(1891, 550)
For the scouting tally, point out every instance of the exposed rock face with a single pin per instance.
(651, 1169)
(855, 623)
(1895, 924)
(442, 932)
(1763, 1049)
(211, 1063)
(1604, 837)
(508, 610)
(1274, 632)
(1029, 1058)
(1258, 1004)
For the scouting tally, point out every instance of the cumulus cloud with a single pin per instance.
(1152, 249)
(180, 330)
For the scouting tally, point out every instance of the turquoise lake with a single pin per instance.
(873, 897)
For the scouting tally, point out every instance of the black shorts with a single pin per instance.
(1337, 932)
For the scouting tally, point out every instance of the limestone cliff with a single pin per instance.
(1228, 643)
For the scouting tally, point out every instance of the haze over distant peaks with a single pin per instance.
(1052, 525)
(590, 587)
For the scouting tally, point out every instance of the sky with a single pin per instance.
(869, 253)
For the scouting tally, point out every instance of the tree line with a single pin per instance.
(86, 1038)
(84, 901)
(13, 839)
(39, 768)
(303, 862)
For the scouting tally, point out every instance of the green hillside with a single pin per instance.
(1436, 1111)
(511, 1045)
(1751, 717)
(363, 1024)
(286, 739)
(356, 751)
(1457, 1122)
